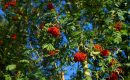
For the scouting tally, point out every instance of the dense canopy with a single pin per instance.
(40, 38)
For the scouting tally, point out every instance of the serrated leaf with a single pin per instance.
(11, 67)
(48, 47)
(117, 37)
(51, 47)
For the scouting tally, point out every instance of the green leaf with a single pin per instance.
(124, 32)
(48, 47)
(11, 67)
(95, 53)
(100, 64)
(24, 61)
(127, 64)
(103, 69)
(76, 33)
(88, 78)
(7, 77)
(23, 78)
(43, 78)
(108, 21)
(44, 46)
(117, 37)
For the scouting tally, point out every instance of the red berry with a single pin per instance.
(113, 76)
(50, 6)
(118, 26)
(53, 52)
(6, 5)
(105, 53)
(54, 31)
(14, 36)
(120, 69)
(80, 57)
(11, 3)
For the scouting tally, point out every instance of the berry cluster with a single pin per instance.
(113, 76)
(54, 31)
(53, 52)
(118, 26)
(98, 47)
(14, 36)
(11, 3)
(105, 53)
(80, 57)
(50, 6)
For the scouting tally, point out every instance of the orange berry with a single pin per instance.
(98, 47)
